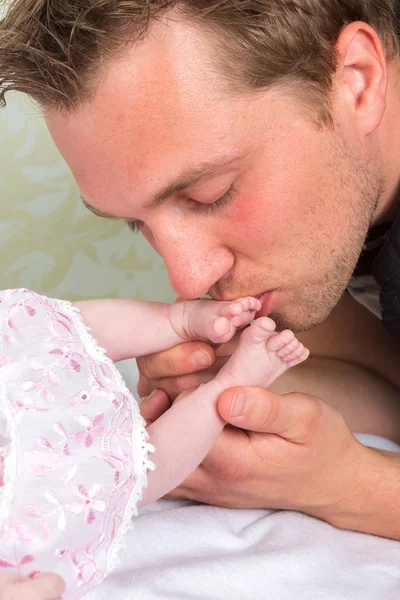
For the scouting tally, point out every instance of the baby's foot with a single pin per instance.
(217, 322)
(262, 356)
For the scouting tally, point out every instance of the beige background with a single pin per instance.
(49, 242)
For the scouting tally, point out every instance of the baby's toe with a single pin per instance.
(305, 353)
(295, 354)
(255, 304)
(262, 328)
(279, 342)
(221, 330)
(250, 304)
(288, 348)
(231, 309)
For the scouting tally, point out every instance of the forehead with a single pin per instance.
(159, 110)
(156, 109)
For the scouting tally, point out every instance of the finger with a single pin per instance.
(199, 486)
(207, 490)
(231, 457)
(43, 586)
(9, 577)
(292, 416)
(144, 386)
(173, 386)
(228, 463)
(155, 405)
(179, 360)
(49, 585)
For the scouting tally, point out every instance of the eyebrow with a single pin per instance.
(189, 179)
(186, 180)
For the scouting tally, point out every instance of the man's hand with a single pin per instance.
(295, 452)
(288, 451)
(182, 368)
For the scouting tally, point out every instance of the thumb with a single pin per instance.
(153, 406)
(48, 586)
(291, 416)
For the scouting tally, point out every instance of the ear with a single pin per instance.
(362, 74)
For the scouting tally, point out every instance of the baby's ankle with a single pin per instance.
(179, 316)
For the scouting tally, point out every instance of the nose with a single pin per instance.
(193, 271)
(195, 260)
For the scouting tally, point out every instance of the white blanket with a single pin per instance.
(186, 551)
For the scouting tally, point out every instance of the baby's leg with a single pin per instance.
(184, 435)
(128, 329)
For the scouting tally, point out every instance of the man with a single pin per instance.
(252, 145)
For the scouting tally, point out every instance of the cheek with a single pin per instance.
(256, 220)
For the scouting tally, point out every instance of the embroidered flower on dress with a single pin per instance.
(68, 356)
(90, 502)
(29, 386)
(86, 396)
(72, 529)
(92, 427)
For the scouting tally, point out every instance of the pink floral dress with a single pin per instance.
(73, 446)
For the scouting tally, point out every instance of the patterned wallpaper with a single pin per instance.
(49, 242)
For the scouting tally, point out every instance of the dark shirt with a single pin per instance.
(381, 259)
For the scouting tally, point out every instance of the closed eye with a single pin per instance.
(135, 225)
(212, 206)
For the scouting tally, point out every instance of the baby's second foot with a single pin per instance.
(208, 320)
(262, 356)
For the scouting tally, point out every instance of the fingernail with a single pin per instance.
(200, 358)
(148, 397)
(239, 405)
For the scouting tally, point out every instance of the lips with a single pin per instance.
(265, 299)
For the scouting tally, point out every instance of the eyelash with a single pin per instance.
(135, 226)
(201, 207)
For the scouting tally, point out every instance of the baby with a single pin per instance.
(74, 447)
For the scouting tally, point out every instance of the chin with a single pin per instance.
(306, 307)
(298, 321)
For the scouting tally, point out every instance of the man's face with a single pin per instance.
(297, 200)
